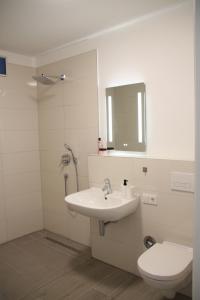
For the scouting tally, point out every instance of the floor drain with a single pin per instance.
(62, 244)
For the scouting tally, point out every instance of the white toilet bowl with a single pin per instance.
(166, 266)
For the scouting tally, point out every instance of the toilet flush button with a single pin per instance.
(183, 182)
(150, 199)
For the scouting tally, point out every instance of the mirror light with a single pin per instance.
(140, 129)
(110, 131)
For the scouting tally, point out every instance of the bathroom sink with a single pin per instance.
(93, 203)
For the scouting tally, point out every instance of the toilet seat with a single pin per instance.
(166, 261)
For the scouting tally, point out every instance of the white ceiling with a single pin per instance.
(31, 27)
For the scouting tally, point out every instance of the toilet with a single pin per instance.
(166, 266)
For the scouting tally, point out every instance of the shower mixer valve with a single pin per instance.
(65, 160)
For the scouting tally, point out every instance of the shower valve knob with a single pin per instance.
(65, 159)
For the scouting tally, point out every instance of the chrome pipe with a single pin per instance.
(65, 180)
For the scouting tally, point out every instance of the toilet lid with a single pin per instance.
(166, 261)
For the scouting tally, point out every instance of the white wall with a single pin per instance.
(158, 51)
(20, 187)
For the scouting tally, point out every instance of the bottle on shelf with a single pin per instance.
(124, 188)
(101, 148)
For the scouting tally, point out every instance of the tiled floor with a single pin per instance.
(36, 268)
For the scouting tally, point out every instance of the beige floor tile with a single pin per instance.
(115, 283)
(13, 284)
(93, 295)
(49, 257)
(35, 268)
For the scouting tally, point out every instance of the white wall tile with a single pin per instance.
(23, 204)
(115, 253)
(69, 224)
(21, 162)
(53, 191)
(20, 186)
(18, 98)
(51, 118)
(24, 223)
(88, 140)
(19, 119)
(72, 139)
(16, 141)
(83, 182)
(79, 228)
(51, 96)
(124, 168)
(51, 159)
(52, 139)
(80, 92)
(18, 78)
(56, 223)
(81, 116)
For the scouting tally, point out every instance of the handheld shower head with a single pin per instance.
(75, 161)
(67, 147)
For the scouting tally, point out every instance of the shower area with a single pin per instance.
(49, 125)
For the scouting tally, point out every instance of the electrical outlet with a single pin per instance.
(153, 200)
(150, 199)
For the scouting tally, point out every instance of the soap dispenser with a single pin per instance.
(130, 192)
(124, 188)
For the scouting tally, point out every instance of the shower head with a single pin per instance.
(67, 147)
(43, 79)
(48, 79)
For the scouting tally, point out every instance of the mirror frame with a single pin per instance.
(140, 146)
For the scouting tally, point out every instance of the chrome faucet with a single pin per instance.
(107, 186)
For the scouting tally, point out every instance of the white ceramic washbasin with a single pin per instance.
(92, 203)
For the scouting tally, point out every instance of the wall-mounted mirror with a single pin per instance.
(126, 117)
